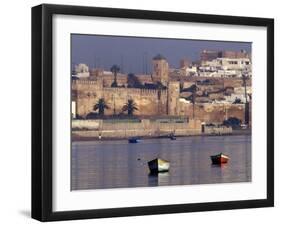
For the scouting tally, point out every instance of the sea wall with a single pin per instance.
(217, 130)
(146, 128)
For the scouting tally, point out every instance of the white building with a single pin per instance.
(225, 67)
(82, 71)
(73, 109)
(233, 97)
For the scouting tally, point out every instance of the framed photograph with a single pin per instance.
(145, 112)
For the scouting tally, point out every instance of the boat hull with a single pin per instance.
(133, 140)
(158, 166)
(219, 159)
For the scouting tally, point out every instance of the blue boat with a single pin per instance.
(134, 140)
(173, 137)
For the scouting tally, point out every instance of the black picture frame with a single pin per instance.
(42, 107)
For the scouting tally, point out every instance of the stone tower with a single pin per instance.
(160, 70)
(184, 63)
(173, 98)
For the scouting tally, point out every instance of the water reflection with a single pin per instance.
(158, 179)
(117, 164)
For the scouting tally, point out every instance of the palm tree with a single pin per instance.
(133, 81)
(115, 69)
(130, 107)
(101, 106)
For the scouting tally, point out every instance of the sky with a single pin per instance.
(134, 54)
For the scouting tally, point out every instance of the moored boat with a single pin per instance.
(134, 140)
(172, 137)
(158, 165)
(219, 159)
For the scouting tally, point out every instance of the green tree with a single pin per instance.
(130, 107)
(133, 81)
(233, 122)
(160, 85)
(115, 69)
(101, 106)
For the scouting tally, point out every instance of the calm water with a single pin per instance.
(116, 164)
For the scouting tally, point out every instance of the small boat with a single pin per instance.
(219, 159)
(158, 165)
(134, 140)
(172, 137)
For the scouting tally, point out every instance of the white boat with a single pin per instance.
(158, 165)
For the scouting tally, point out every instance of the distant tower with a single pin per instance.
(160, 71)
(173, 97)
(184, 63)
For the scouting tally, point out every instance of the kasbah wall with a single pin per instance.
(213, 113)
(149, 102)
(87, 93)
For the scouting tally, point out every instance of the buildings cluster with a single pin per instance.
(213, 89)
(225, 64)
(217, 64)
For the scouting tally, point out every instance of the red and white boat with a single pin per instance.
(219, 159)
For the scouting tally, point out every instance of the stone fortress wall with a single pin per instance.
(148, 101)
(212, 113)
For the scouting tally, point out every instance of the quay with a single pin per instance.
(145, 128)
